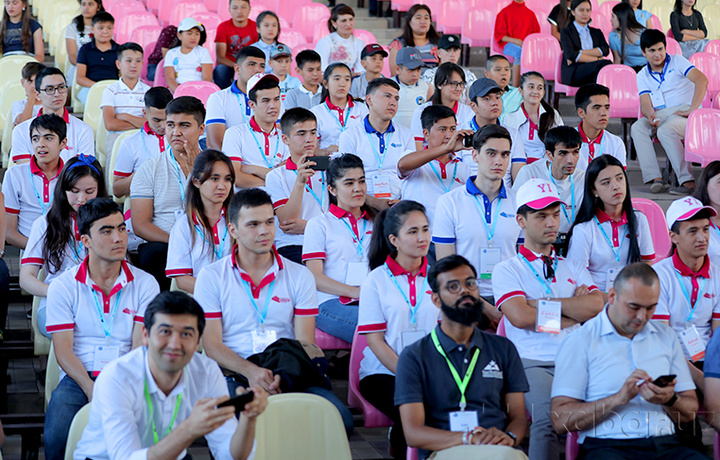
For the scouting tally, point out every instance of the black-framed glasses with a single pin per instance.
(454, 287)
(457, 84)
(50, 90)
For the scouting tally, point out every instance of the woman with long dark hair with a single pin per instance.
(341, 45)
(54, 241)
(420, 33)
(688, 27)
(201, 236)
(708, 191)
(625, 37)
(608, 233)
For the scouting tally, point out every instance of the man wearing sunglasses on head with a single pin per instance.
(543, 298)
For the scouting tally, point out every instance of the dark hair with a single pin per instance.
(174, 303)
(569, 137)
(25, 29)
(585, 92)
(388, 222)
(59, 229)
(246, 1)
(261, 17)
(203, 37)
(103, 16)
(494, 58)
(94, 210)
(46, 72)
(524, 210)
(708, 172)
(444, 265)
(679, 4)
(249, 51)
(442, 76)
(432, 113)
(79, 20)
(376, 83)
(52, 123)
(406, 39)
(651, 37)
(248, 198)
(628, 23)
(189, 105)
(337, 169)
(129, 46)
(628, 2)
(547, 119)
(335, 14)
(267, 83)
(563, 18)
(675, 228)
(575, 3)
(326, 77)
(30, 70)
(202, 170)
(591, 204)
(305, 56)
(488, 132)
(158, 97)
(294, 116)
(636, 270)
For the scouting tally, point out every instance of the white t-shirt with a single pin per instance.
(188, 67)
(605, 144)
(333, 48)
(187, 256)
(333, 121)
(672, 82)
(534, 147)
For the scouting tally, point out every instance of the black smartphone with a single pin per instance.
(238, 401)
(468, 141)
(664, 380)
(321, 163)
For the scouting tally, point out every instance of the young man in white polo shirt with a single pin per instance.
(168, 376)
(670, 89)
(298, 192)
(379, 143)
(477, 221)
(52, 90)
(543, 298)
(157, 192)
(254, 297)
(231, 106)
(256, 147)
(592, 103)
(94, 313)
(148, 143)
(29, 188)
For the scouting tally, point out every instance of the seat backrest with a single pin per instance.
(540, 53)
(501, 328)
(673, 47)
(128, 23)
(713, 47)
(200, 89)
(662, 10)
(452, 12)
(6, 140)
(478, 25)
(624, 98)
(122, 7)
(258, 8)
(607, 6)
(79, 422)
(656, 22)
(709, 64)
(292, 38)
(359, 344)
(145, 35)
(281, 431)
(365, 35)
(209, 19)
(320, 31)
(52, 375)
(12, 91)
(309, 16)
(146, 57)
(702, 134)
(711, 14)
(658, 226)
(61, 53)
(93, 112)
(186, 9)
(110, 177)
(160, 74)
(11, 67)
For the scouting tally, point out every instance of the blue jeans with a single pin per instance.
(337, 319)
(151, 71)
(511, 50)
(223, 75)
(83, 94)
(67, 399)
(42, 322)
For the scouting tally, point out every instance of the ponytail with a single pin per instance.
(388, 222)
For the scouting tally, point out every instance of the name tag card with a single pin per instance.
(693, 343)
(356, 273)
(103, 355)
(463, 420)
(381, 186)
(262, 339)
(548, 316)
(657, 99)
(410, 337)
(489, 257)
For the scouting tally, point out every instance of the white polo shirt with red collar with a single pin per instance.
(135, 150)
(189, 248)
(279, 184)
(591, 242)
(333, 121)
(680, 288)
(605, 144)
(80, 138)
(223, 290)
(388, 307)
(229, 107)
(484, 232)
(463, 115)
(28, 193)
(248, 144)
(74, 300)
(514, 278)
(534, 146)
(338, 239)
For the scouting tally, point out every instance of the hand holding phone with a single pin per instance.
(321, 163)
(664, 380)
(238, 401)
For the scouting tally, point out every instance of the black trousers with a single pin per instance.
(655, 448)
(152, 258)
(587, 72)
(292, 252)
(379, 390)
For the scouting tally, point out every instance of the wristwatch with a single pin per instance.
(671, 401)
(512, 435)
(2, 253)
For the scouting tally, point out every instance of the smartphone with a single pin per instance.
(468, 141)
(238, 401)
(321, 163)
(664, 380)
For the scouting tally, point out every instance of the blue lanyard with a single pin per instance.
(664, 71)
(341, 125)
(489, 232)
(106, 329)
(218, 251)
(572, 195)
(687, 295)
(320, 200)
(418, 300)
(543, 281)
(263, 154)
(437, 174)
(609, 242)
(357, 239)
(76, 251)
(179, 173)
(248, 110)
(379, 160)
(268, 298)
(37, 194)
(142, 137)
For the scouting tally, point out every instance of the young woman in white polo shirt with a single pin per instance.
(396, 308)
(708, 192)
(608, 234)
(201, 237)
(54, 241)
(336, 244)
(338, 110)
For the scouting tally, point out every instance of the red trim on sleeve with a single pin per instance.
(592, 287)
(215, 315)
(306, 311)
(61, 327)
(313, 255)
(662, 317)
(11, 211)
(139, 319)
(716, 316)
(178, 272)
(236, 159)
(16, 158)
(368, 328)
(648, 257)
(33, 261)
(279, 203)
(121, 174)
(508, 296)
(419, 139)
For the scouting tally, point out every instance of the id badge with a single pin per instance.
(657, 99)
(465, 420)
(381, 186)
(693, 343)
(548, 316)
(356, 273)
(489, 257)
(610, 276)
(103, 355)
(410, 337)
(262, 339)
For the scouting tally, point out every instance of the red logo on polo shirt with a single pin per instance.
(428, 292)
(571, 281)
(129, 312)
(707, 295)
(280, 299)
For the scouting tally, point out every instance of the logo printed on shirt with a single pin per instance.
(509, 216)
(571, 281)
(707, 295)
(393, 144)
(492, 371)
(280, 299)
(129, 312)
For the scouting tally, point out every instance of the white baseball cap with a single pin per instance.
(684, 209)
(258, 77)
(538, 194)
(189, 23)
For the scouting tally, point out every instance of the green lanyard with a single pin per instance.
(152, 417)
(461, 384)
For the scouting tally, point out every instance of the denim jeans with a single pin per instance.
(67, 399)
(42, 322)
(223, 75)
(337, 319)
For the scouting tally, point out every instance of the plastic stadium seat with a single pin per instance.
(215, 5)
(412, 453)
(258, 8)
(110, 177)
(602, 22)
(624, 98)
(713, 47)
(53, 9)
(607, 6)
(210, 45)
(286, 9)
(79, 422)
(711, 14)
(209, 19)
(308, 17)
(656, 23)
(658, 224)
(61, 60)
(57, 28)
(329, 342)
(662, 10)
(673, 47)
(153, 6)
(160, 74)
(320, 32)
(477, 29)
(540, 53)
(52, 375)
(146, 56)
(559, 88)
(365, 35)
(125, 26)
(124, 7)
(702, 136)
(450, 16)
(373, 417)
(292, 38)
(224, 12)
(571, 446)
(434, 6)
(93, 113)
(146, 35)
(199, 89)
(401, 5)
(709, 64)
(716, 103)
(6, 140)
(186, 9)
(11, 68)
(11, 92)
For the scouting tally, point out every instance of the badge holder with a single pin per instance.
(463, 420)
(381, 186)
(102, 355)
(693, 343)
(262, 338)
(410, 337)
(489, 258)
(549, 313)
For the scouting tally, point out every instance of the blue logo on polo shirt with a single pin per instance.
(393, 144)
(509, 216)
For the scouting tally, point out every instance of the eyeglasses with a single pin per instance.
(548, 269)
(456, 84)
(454, 287)
(50, 90)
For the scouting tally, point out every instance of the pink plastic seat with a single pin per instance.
(401, 5)
(144, 36)
(716, 103)
(702, 136)
(287, 8)
(501, 328)
(373, 417)
(308, 17)
(215, 5)
(412, 453)
(146, 55)
(434, 6)
(569, 91)
(713, 47)
(477, 28)
(292, 38)
(125, 26)
(709, 64)
(540, 52)
(365, 35)
(572, 448)
(450, 16)
(210, 44)
(624, 98)
(329, 342)
(320, 32)
(606, 8)
(673, 47)
(495, 48)
(601, 21)
(258, 8)
(186, 9)
(658, 224)
(209, 19)
(160, 74)
(123, 7)
(199, 89)
(655, 22)
(153, 6)
(224, 12)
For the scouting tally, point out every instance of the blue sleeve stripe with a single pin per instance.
(441, 240)
(519, 160)
(688, 70)
(214, 121)
(641, 93)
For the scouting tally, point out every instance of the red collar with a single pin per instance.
(332, 106)
(686, 271)
(339, 212)
(531, 256)
(290, 164)
(396, 269)
(603, 217)
(584, 137)
(35, 169)
(65, 115)
(532, 124)
(269, 278)
(148, 130)
(82, 273)
(256, 127)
